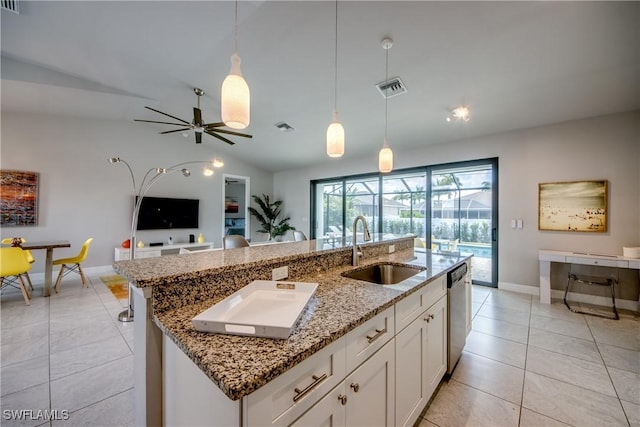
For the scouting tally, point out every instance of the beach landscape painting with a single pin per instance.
(573, 206)
(18, 198)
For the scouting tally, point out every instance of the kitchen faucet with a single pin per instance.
(357, 254)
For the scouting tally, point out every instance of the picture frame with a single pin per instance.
(18, 198)
(574, 206)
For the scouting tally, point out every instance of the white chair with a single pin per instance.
(234, 241)
(299, 236)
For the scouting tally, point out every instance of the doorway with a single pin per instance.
(235, 192)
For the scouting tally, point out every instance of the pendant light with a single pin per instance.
(385, 157)
(335, 131)
(235, 98)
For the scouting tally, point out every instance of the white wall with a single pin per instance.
(82, 195)
(600, 148)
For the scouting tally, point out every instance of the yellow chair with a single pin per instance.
(27, 254)
(13, 264)
(73, 264)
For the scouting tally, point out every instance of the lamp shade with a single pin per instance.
(335, 137)
(385, 160)
(235, 98)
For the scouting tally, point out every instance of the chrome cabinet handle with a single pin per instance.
(355, 387)
(343, 399)
(379, 333)
(426, 319)
(431, 316)
(301, 393)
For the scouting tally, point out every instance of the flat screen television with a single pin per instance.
(161, 213)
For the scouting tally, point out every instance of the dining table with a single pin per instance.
(49, 245)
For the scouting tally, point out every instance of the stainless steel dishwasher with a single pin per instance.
(456, 315)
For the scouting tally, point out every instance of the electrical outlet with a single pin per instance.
(280, 273)
(392, 248)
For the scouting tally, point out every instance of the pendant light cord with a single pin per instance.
(335, 77)
(386, 96)
(236, 30)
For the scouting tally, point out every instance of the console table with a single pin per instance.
(546, 257)
(122, 254)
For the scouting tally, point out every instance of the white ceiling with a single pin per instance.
(516, 64)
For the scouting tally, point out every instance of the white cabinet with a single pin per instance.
(365, 398)
(122, 254)
(411, 388)
(371, 390)
(421, 361)
(468, 291)
(436, 356)
(367, 338)
(281, 401)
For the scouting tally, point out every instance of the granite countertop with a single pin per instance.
(239, 365)
(147, 272)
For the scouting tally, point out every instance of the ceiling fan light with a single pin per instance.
(335, 137)
(217, 163)
(235, 99)
(207, 171)
(385, 160)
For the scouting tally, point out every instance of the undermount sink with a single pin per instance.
(383, 273)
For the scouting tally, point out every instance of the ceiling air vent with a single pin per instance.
(284, 127)
(392, 87)
(10, 5)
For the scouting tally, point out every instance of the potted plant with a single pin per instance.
(268, 218)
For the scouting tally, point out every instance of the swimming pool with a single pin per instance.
(479, 251)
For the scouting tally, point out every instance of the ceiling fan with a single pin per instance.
(196, 124)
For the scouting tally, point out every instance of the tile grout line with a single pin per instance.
(526, 358)
(615, 390)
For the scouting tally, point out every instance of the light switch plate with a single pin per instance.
(392, 248)
(519, 222)
(513, 224)
(280, 273)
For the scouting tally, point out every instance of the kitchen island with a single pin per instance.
(233, 370)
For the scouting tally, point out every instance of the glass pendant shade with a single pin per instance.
(235, 98)
(335, 137)
(385, 159)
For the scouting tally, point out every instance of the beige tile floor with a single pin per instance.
(66, 353)
(529, 364)
(525, 364)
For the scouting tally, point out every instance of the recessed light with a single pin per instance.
(459, 113)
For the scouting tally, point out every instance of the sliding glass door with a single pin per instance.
(464, 215)
(450, 208)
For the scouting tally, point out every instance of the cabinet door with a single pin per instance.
(411, 352)
(371, 390)
(436, 361)
(328, 412)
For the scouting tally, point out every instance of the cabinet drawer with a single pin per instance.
(434, 290)
(288, 396)
(407, 309)
(367, 338)
(601, 262)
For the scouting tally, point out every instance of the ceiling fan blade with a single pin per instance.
(221, 138)
(198, 137)
(176, 130)
(244, 135)
(162, 123)
(197, 117)
(168, 115)
(213, 125)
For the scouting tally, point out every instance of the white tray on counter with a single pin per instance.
(263, 308)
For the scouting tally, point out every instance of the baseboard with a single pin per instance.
(99, 269)
(597, 300)
(558, 294)
(521, 289)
